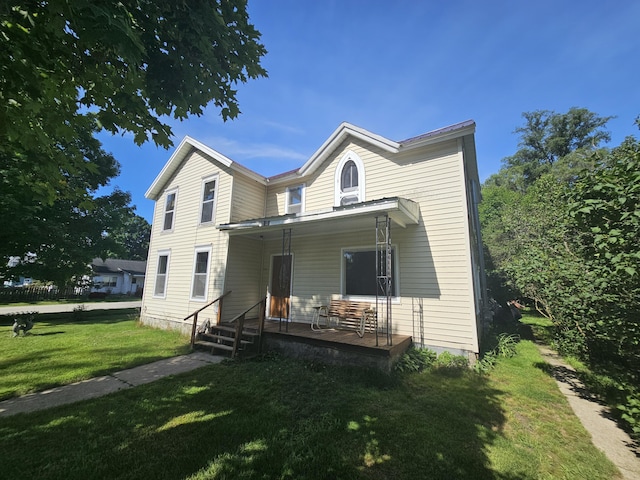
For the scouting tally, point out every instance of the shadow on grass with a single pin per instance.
(570, 378)
(269, 419)
(84, 316)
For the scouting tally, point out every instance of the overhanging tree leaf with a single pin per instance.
(70, 68)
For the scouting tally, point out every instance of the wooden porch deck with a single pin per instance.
(339, 347)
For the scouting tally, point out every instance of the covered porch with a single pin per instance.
(299, 258)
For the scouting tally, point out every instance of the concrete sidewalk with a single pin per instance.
(605, 433)
(68, 307)
(99, 386)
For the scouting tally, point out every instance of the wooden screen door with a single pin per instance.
(280, 286)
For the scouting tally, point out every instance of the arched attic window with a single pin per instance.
(349, 180)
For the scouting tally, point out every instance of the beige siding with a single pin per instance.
(243, 276)
(248, 199)
(185, 237)
(275, 201)
(435, 303)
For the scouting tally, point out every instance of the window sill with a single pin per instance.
(368, 298)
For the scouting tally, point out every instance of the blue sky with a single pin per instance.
(402, 68)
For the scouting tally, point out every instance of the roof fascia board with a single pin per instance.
(423, 142)
(345, 129)
(178, 156)
(399, 206)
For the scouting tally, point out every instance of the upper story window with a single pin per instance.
(349, 179)
(208, 207)
(294, 202)
(169, 210)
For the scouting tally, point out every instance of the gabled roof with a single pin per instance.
(345, 130)
(187, 145)
(115, 265)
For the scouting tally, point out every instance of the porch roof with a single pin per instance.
(346, 218)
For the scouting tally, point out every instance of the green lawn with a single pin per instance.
(273, 418)
(69, 347)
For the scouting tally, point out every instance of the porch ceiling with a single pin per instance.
(349, 218)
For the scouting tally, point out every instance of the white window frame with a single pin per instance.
(287, 201)
(162, 253)
(214, 201)
(359, 193)
(173, 212)
(368, 298)
(200, 249)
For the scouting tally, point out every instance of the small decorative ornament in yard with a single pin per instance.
(24, 325)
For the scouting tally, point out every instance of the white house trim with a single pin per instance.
(361, 191)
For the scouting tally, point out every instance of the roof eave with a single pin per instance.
(444, 134)
(402, 211)
(186, 146)
(343, 131)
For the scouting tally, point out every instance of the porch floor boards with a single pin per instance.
(332, 335)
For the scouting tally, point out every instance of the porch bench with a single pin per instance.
(345, 314)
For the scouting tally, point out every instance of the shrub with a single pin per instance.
(630, 411)
(448, 361)
(415, 360)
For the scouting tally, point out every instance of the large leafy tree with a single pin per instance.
(71, 68)
(548, 138)
(567, 240)
(131, 238)
(605, 209)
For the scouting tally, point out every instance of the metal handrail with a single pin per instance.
(195, 316)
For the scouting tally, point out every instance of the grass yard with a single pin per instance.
(68, 347)
(274, 418)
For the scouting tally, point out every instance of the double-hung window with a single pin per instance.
(207, 209)
(359, 276)
(295, 199)
(200, 273)
(169, 210)
(162, 273)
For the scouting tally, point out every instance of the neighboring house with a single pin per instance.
(118, 276)
(307, 236)
(20, 282)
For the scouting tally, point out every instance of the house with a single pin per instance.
(307, 236)
(115, 276)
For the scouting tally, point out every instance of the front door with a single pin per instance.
(280, 286)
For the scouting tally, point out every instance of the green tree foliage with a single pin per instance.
(71, 236)
(568, 242)
(131, 239)
(605, 210)
(548, 137)
(71, 68)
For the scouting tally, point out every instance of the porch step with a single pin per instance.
(214, 338)
(225, 327)
(222, 337)
(213, 345)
